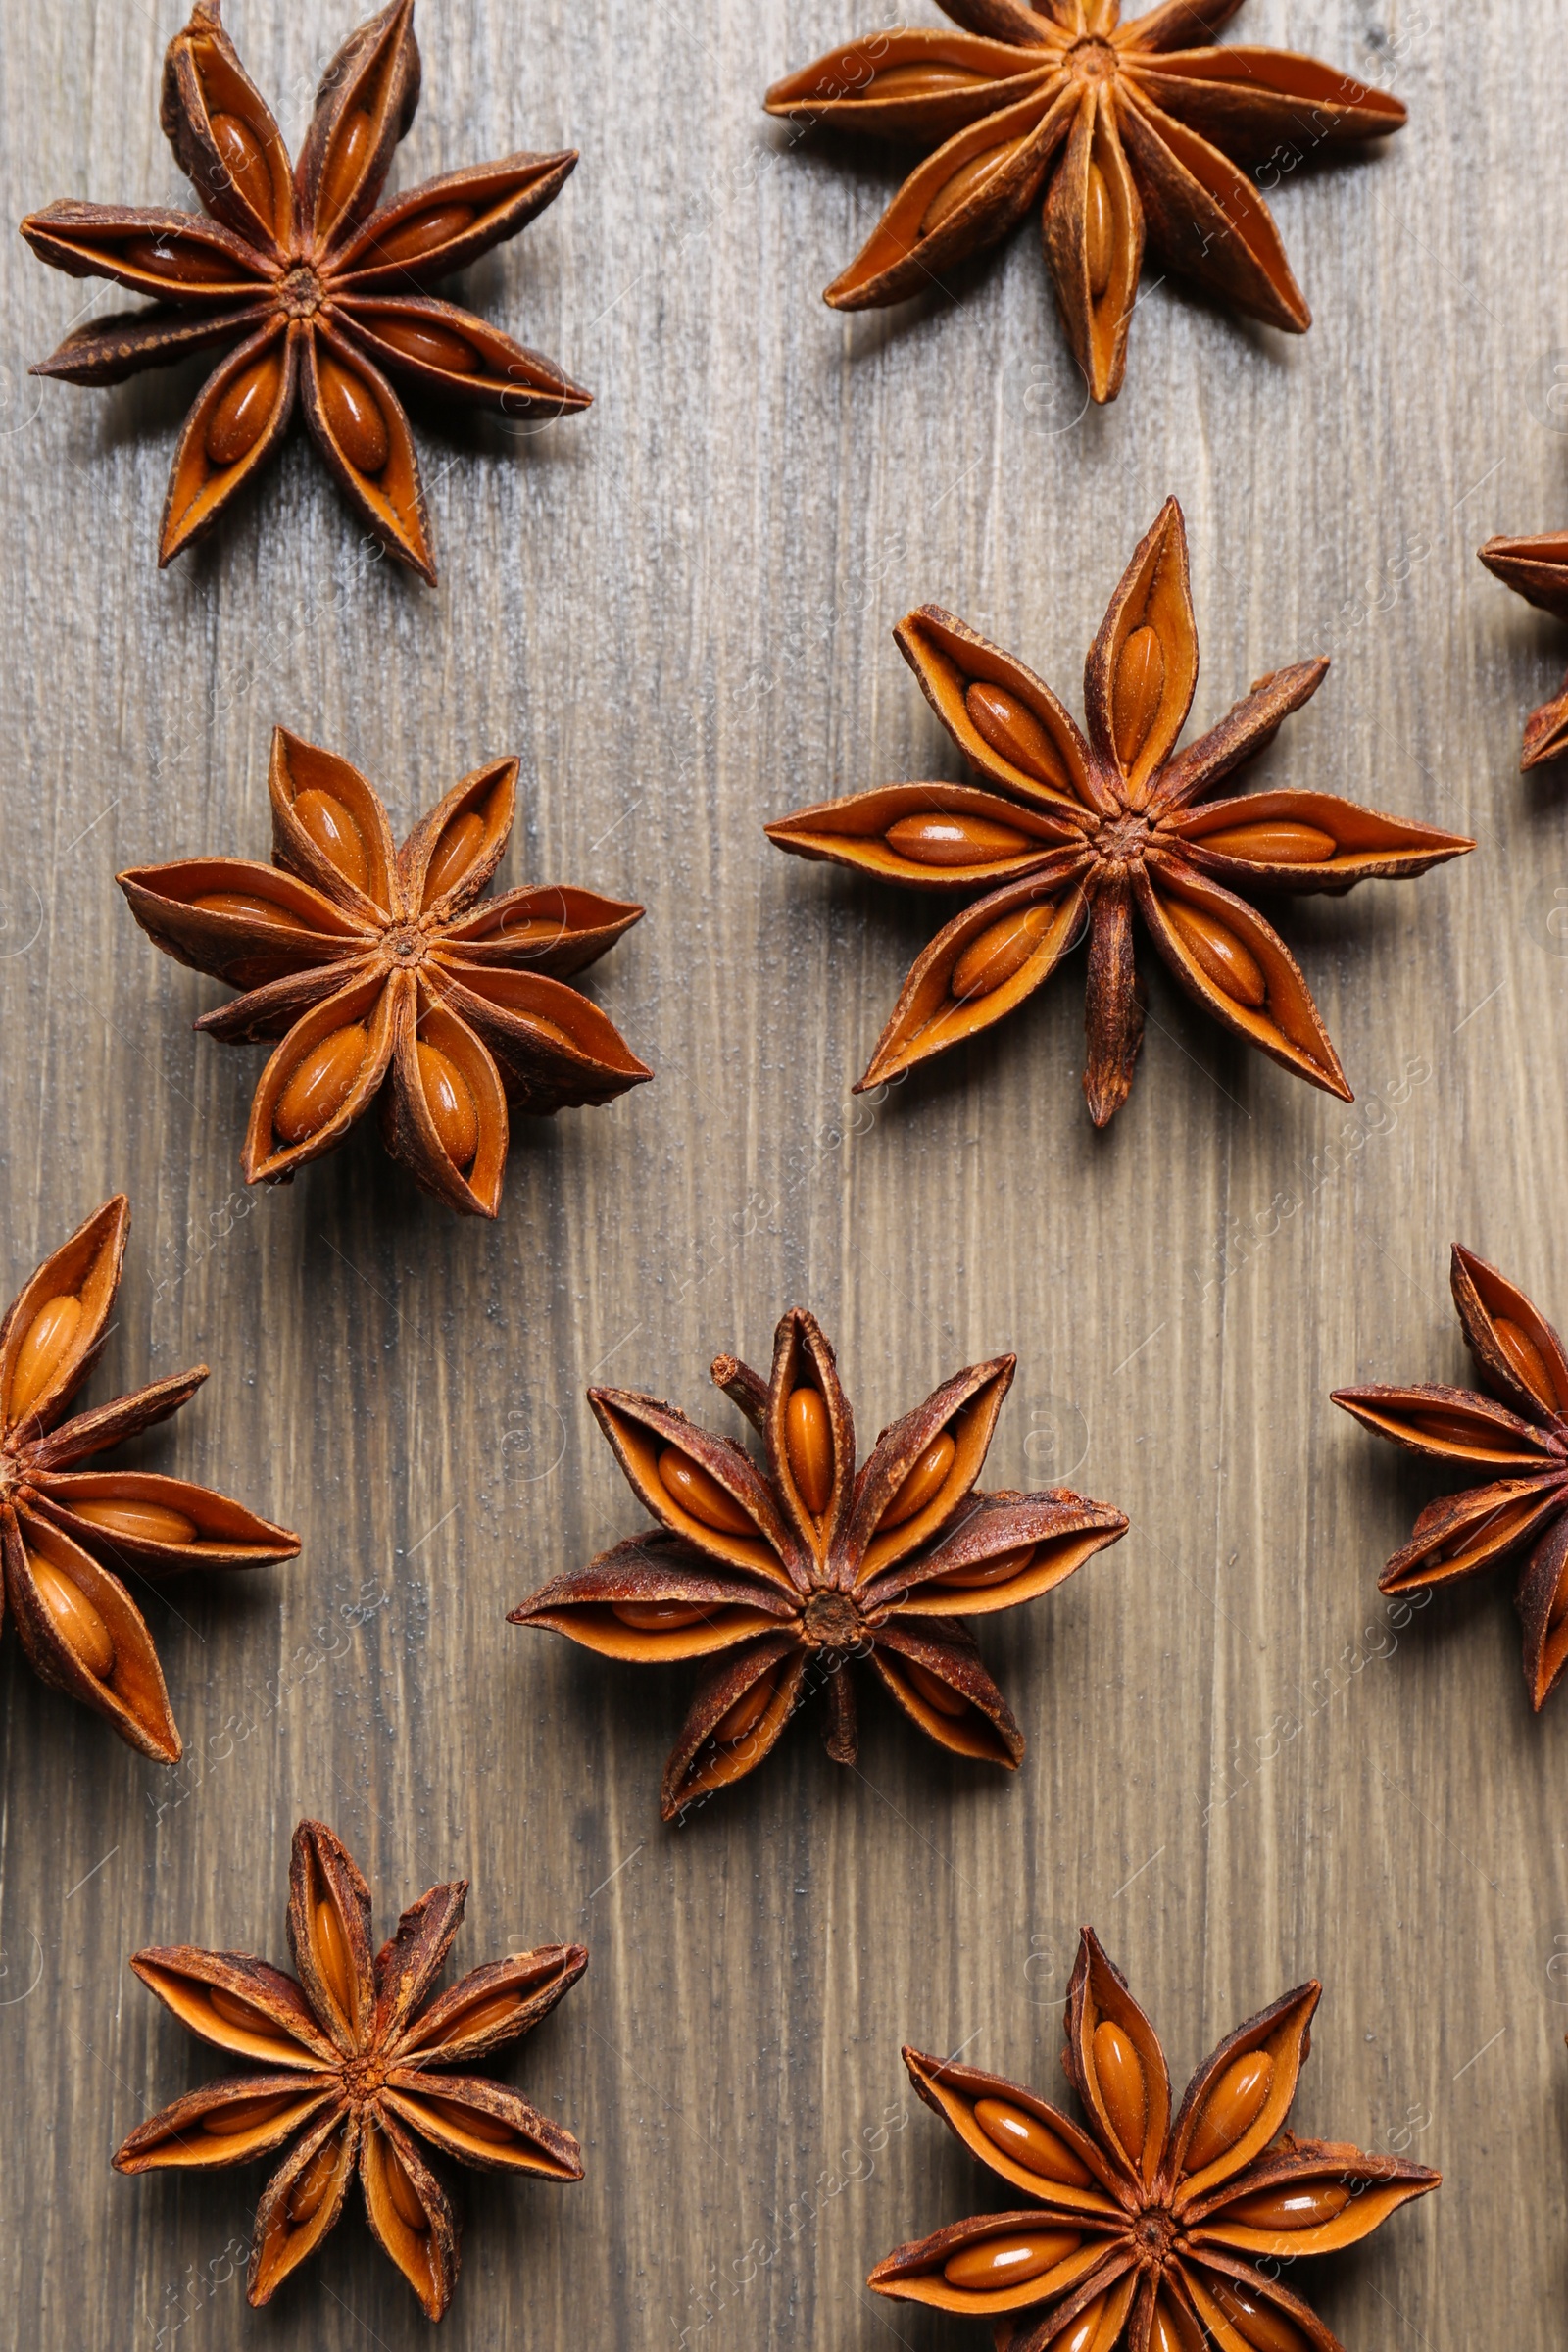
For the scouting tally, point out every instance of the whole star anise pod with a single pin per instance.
(1124, 129)
(356, 2057)
(1521, 1448)
(316, 291)
(1160, 2235)
(806, 1563)
(384, 979)
(61, 1526)
(1537, 571)
(1073, 835)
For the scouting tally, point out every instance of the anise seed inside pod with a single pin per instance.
(1559, 1603)
(1529, 1364)
(245, 162)
(332, 1950)
(77, 1621)
(954, 840)
(1255, 2321)
(742, 1719)
(658, 1616)
(1098, 232)
(449, 1097)
(336, 834)
(353, 415)
(1272, 842)
(405, 2196)
(934, 1690)
(1231, 2108)
(808, 1443)
(308, 2192)
(917, 82)
(1003, 948)
(235, 2011)
(321, 1082)
(148, 1522)
(1136, 697)
(998, 2262)
(1030, 2142)
(452, 855)
(431, 346)
(472, 2119)
(163, 251)
(239, 418)
(252, 906)
(702, 1495)
(923, 1484)
(1007, 1564)
(1450, 1429)
(44, 1349)
(1013, 730)
(421, 234)
(353, 138)
(965, 183)
(1165, 2335)
(246, 2115)
(1218, 953)
(1081, 2334)
(1120, 2076)
(481, 2017)
(1291, 2207)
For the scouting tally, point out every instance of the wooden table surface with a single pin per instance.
(676, 611)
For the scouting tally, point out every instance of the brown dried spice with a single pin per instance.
(61, 1526)
(316, 291)
(384, 979)
(1078, 834)
(355, 2059)
(809, 1563)
(1537, 571)
(1126, 129)
(1160, 2236)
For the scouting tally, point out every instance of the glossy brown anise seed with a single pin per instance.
(1098, 123)
(68, 1534)
(314, 288)
(362, 2039)
(1144, 2228)
(795, 1568)
(1083, 831)
(388, 978)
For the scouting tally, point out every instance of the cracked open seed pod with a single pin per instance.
(388, 981)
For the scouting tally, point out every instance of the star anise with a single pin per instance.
(1125, 129)
(1162, 2235)
(1520, 1445)
(61, 1526)
(1537, 571)
(384, 979)
(356, 2057)
(316, 289)
(1078, 833)
(786, 1573)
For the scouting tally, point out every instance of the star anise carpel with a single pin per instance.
(1160, 2234)
(1515, 1440)
(782, 1574)
(64, 1530)
(1067, 833)
(317, 288)
(1537, 571)
(356, 2061)
(1123, 132)
(387, 979)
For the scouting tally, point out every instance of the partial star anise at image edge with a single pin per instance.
(1161, 2235)
(356, 2061)
(794, 1569)
(61, 1526)
(1127, 131)
(1519, 1446)
(385, 979)
(1069, 835)
(316, 291)
(1537, 571)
